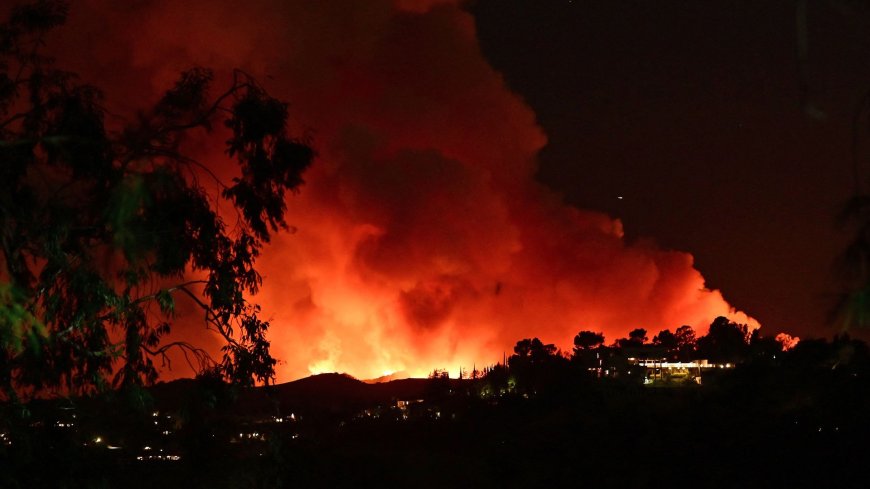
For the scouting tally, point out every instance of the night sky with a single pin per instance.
(692, 112)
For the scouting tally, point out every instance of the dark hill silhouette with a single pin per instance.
(330, 392)
(172, 395)
(401, 374)
(405, 388)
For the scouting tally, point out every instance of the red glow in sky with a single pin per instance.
(423, 239)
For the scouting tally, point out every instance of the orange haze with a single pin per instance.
(423, 239)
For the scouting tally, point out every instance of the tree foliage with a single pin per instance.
(726, 341)
(534, 351)
(536, 366)
(636, 339)
(587, 340)
(686, 342)
(103, 230)
(665, 339)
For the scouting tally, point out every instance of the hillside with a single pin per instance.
(331, 392)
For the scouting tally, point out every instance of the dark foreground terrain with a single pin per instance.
(755, 426)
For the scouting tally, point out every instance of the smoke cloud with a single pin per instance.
(423, 239)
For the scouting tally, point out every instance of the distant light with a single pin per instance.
(619, 197)
(98, 439)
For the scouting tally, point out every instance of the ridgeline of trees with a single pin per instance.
(539, 368)
(536, 366)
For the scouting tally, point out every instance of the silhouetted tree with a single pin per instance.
(636, 338)
(665, 339)
(439, 373)
(587, 349)
(533, 350)
(666, 343)
(638, 335)
(475, 374)
(686, 343)
(438, 385)
(843, 353)
(100, 228)
(587, 340)
(811, 354)
(536, 365)
(764, 348)
(725, 342)
(496, 380)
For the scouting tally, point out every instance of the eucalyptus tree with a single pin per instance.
(103, 230)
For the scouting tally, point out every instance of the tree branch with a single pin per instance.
(202, 356)
(210, 316)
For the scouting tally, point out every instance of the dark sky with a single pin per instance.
(691, 112)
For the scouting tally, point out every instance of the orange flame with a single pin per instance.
(423, 239)
(788, 341)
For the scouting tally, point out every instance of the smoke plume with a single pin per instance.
(422, 238)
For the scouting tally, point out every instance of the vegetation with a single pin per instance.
(540, 420)
(103, 228)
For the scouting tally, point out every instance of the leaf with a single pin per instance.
(166, 301)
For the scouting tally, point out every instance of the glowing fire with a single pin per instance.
(788, 341)
(423, 240)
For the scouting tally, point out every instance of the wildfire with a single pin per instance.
(423, 240)
(788, 341)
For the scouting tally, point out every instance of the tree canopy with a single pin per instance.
(636, 338)
(586, 340)
(726, 341)
(102, 230)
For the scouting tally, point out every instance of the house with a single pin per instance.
(666, 371)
